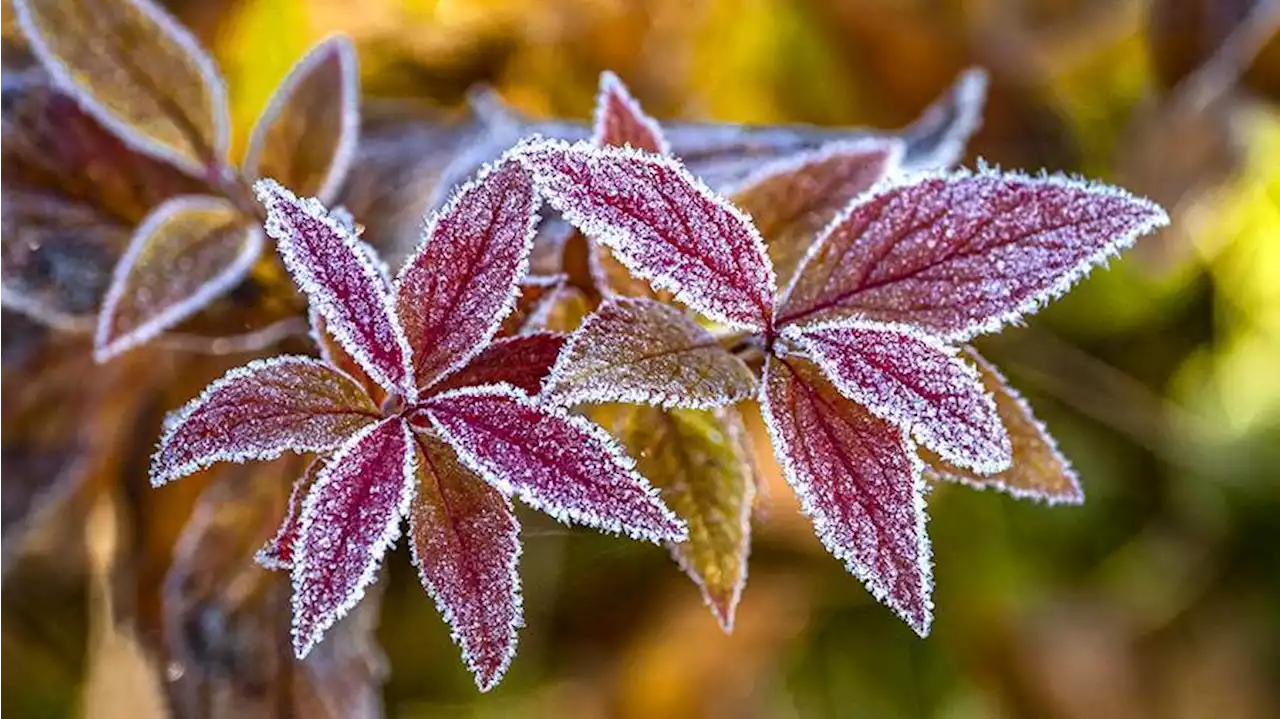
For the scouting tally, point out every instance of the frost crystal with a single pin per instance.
(349, 520)
(960, 254)
(858, 479)
(644, 352)
(466, 545)
(663, 224)
(914, 381)
(260, 411)
(341, 282)
(558, 463)
(454, 292)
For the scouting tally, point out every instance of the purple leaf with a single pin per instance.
(640, 351)
(620, 122)
(663, 224)
(349, 520)
(277, 553)
(335, 273)
(307, 136)
(260, 411)
(960, 254)
(858, 479)
(913, 380)
(454, 292)
(522, 362)
(556, 462)
(466, 545)
(187, 253)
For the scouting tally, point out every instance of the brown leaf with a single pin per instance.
(138, 71)
(187, 253)
(793, 199)
(307, 136)
(1038, 471)
(701, 462)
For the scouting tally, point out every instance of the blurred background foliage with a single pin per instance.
(1160, 597)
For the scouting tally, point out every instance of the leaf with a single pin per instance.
(914, 381)
(536, 297)
(568, 309)
(334, 271)
(937, 139)
(613, 279)
(306, 138)
(135, 69)
(620, 122)
(523, 362)
(559, 463)
(643, 352)
(335, 356)
(277, 553)
(1038, 470)
(701, 462)
(663, 224)
(349, 520)
(455, 290)
(858, 479)
(466, 546)
(791, 200)
(960, 254)
(189, 252)
(260, 411)
(56, 257)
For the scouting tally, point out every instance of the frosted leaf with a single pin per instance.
(701, 462)
(937, 139)
(187, 253)
(335, 273)
(914, 381)
(620, 122)
(536, 298)
(260, 411)
(643, 352)
(459, 285)
(523, 362)
(960, 254)
(277, 553)
(350, 518)
(307, 136)
(1038, 470)
(337, 357)
(791, 200)
(558, 463)
(663, 224)
(466, 546)
(167, 100)
(859, 480)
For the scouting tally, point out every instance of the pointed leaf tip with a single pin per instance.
(963, 253)
(620, 122)
(559, 463)
(334, 270)
(661, 222)
(860, 482)
(349, 519)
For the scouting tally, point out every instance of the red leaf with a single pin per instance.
(858, 480)
(663, 224)
(335, 273)
(260, 411)
(792, 199)
(620, 122)
(913, 380)
(522, 362)
(962, 254)
(307, 136)
(454, 292)
(277, 553)
(640, 351)
(556, 462)
(349, 520)
(466, 545)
